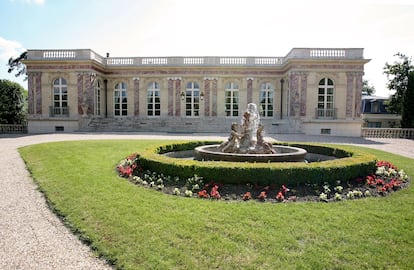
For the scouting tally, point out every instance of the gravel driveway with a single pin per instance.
(32, 237)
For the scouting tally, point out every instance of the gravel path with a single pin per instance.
(32, 237)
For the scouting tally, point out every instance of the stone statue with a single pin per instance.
(233, 142)
(250, 123)
(262, 146)
(250, 139)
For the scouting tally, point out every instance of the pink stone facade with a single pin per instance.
(293, 110)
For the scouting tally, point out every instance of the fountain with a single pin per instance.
(246, 143)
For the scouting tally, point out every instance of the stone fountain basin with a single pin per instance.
(283, 154)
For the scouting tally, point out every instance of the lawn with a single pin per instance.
(138, 228)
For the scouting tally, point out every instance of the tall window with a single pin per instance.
(192, 99)
(326, 98)
(60, 97)
(98, 88)
(153, 99)
(232, 99)
(266, 100)
(120, 99)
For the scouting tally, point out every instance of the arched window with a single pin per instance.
(266, 100)
(326, 98)
(192, 99)
(60, 97)
(98, 89)
(232, 99)
(153, 99)
(120, 99)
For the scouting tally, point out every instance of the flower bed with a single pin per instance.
(386, 178)
(348, 165)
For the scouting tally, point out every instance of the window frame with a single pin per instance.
(267, 93)
(232, 100)
(153, 92)
(121, 89)
(60, 98)
(192, 99)
(326, 98)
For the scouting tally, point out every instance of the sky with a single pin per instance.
(132, 28)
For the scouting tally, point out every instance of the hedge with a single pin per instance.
(348, 166)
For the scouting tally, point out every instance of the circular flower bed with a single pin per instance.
(385, 179)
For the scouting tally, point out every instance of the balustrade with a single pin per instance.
(13, 129)
(296, 53)
(399, 133)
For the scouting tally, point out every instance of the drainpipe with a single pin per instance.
(106, 97)
(281, 98)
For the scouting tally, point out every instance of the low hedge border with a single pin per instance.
(348, 166)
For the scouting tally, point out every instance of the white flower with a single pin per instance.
(188, 193)
(323, 196)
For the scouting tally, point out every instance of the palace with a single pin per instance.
(310, 90)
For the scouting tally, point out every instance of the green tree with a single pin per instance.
(17, 64)
(367, 89)
(12, 103)
(397, 74)
(407, 105)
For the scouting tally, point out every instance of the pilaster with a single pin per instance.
(31, 92)
(349, 93)
(178, 97)
(81, 97)
(214, 99)
(358, 93)
(303, 94)
(294, 94)
(207, 94)
(174, 90)
(136, 96)
(249, 89)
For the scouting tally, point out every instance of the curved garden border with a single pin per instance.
(349, 165)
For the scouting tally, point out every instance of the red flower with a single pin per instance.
(371, 181)
(247, 196)
(379, 182)
(262, 196)
(284, 190)
(203, 194)
(280, 197)
(214, 192)
(386, 164)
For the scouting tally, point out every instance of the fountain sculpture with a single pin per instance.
(246, 143)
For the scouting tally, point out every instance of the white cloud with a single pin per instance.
(36, 2)
(9, 48)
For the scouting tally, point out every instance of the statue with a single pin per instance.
(250, 123)
(250, 140)
(233, 142)
(262, 146)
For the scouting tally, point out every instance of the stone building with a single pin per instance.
(310, 90)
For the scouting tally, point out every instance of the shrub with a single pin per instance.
(349, 165)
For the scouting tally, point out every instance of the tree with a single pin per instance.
(17, 64)
(397, 75)
(367, 89)
(407, 105)
(11, 103)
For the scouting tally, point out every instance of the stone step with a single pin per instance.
(178, 125)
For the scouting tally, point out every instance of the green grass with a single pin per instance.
(139, 228)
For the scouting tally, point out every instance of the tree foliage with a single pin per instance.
(11, 103)
(407, 105)
(367, 89)
(397, 74)
(17, 65)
